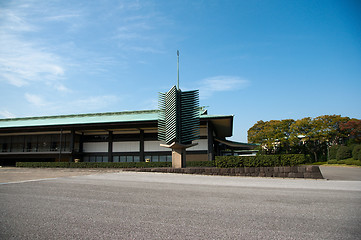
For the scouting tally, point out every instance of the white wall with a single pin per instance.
(202, 145)
(131, 146)
(95, 147)
(134, 146)
(153, 146)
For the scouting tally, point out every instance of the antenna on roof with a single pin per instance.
(178, 69)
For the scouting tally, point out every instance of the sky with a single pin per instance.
(256, 60)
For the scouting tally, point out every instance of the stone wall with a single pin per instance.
(312, 172)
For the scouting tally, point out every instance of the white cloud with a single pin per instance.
(138, 29)
(54, 105)
(94, 103)
(26, 60)
(211, 85)
(35, 100)
(6, 114)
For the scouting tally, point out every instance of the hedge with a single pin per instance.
(93, 164)
(261, 160)
(110, 164)
(200, 164)
(349, 161)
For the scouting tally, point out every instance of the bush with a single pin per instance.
(261, 161)
(110, 164)
(353, 162)
(332, 161)
(229, 161)
(355, 152)
(333, 151)
(343, 152)
(93, 164)
(341, 161)
(200, 164)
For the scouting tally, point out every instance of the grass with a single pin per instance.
(341, 163)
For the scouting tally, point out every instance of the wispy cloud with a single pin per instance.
(35, 100)
(25, 60)
(22, 62)
(138, 29)
(6, 114)
(50, 105)
(94, 103)
(210, 86)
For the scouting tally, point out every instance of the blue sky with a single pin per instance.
(256, 60)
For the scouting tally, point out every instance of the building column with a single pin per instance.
(141, 146)
(72, 143)
(210, 150)
(110, 146)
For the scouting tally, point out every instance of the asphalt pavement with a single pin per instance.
(129, 205)
(341, 173)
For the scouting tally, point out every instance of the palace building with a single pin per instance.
(130, 136)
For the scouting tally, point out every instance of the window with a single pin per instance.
(126, 159)
(96, 138)
(17, 144)
(96, 158)
(5, 143)
(155, 158)
(31, 143)
(136, 159)
(44, 143)
(129, 158)
(159, 158)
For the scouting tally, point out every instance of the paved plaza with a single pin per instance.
(110, 204)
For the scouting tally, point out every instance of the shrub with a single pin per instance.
(228, 161)
(333, 151)
(110, 164)
(200, 164)
(332, 161)
(355, 152)
(341, 161)
(353, 162)
(261, 161)
(93, 164)
(343, 152)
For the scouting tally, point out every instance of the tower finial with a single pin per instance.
(178, 69)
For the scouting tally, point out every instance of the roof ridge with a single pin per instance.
(80, 115)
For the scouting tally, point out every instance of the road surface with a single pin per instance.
(130, 205)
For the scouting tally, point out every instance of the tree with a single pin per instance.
(343, 152)
(326, 128)
(307, 135)
(355, 152)
(273, 135)
(255, 133)
(352, 129)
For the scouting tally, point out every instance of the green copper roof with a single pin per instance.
(80, 119)
(93, 118)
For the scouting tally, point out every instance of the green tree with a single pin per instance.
(273, 135)
(333, 151)
(343, 152)
(355, 152)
